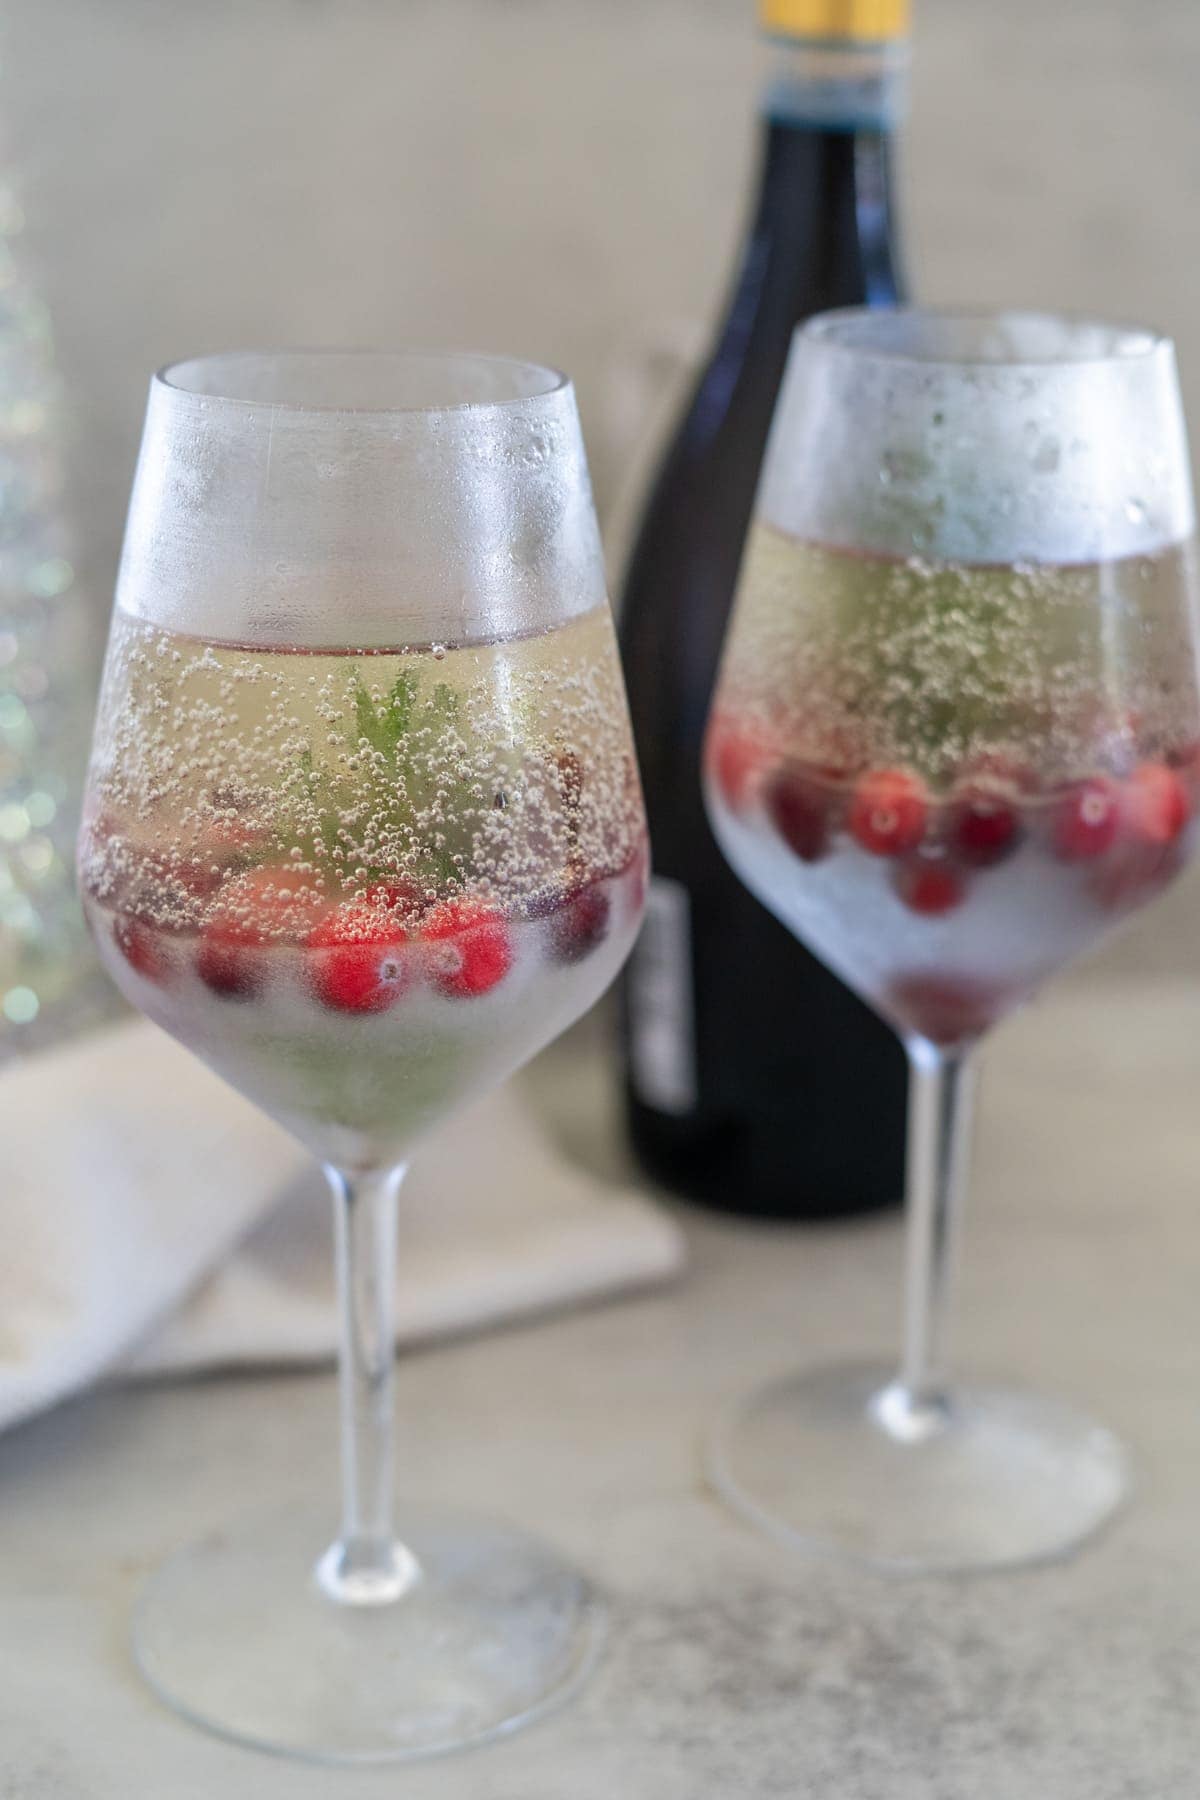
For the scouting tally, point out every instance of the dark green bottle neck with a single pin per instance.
(829, 114)
(825, 216)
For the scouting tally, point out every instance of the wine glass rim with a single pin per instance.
(835, 331)
(547, 381)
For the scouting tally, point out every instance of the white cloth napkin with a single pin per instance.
(151, 1220)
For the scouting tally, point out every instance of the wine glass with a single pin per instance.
(955, 739)
(364, 831)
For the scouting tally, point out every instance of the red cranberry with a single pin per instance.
(1085, 819)
(143, 949)
(468, 948)
(360, 963)
(798, 806)
(930, 885)
(985, 825)
(1155, 804)
(734, 756)
(580, 923)
(888, 811)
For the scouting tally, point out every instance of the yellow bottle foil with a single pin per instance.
(860, 21)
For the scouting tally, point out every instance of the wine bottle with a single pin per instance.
(755, 1081)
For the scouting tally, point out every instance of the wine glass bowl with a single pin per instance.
(363, 826)
(955, 740)
(364, 831)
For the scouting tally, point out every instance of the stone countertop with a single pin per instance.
(733, 1668)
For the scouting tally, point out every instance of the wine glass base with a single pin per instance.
(236, 1634)
(829, 1461)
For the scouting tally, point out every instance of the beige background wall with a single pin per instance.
(557, 177)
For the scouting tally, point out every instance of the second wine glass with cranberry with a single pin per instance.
(956, 739)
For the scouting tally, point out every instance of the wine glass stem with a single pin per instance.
(366, 1566)
(939, 1130)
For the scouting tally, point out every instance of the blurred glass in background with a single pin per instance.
(50, 982)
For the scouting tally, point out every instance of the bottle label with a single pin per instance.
(858, 21)
(662, 1033)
